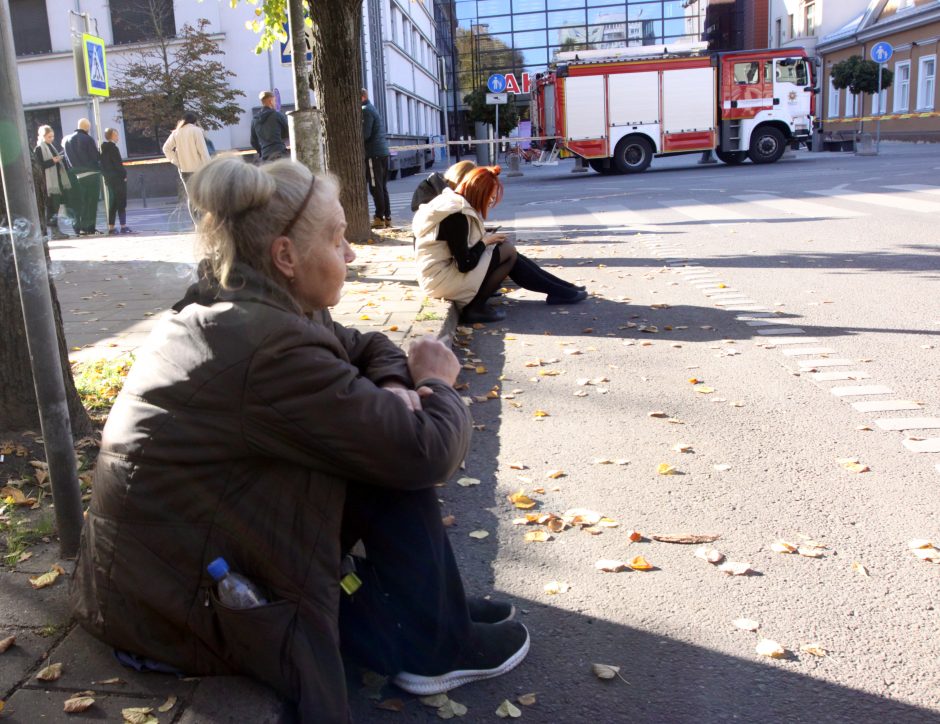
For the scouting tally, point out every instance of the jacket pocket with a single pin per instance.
(258, 641)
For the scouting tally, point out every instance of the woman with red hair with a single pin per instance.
(458, 260)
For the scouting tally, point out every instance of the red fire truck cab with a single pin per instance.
(618, 109)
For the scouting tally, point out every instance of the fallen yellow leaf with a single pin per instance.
(746, 624)
(553, 588)
(48, 578)
(139, 715)
(526, 699)
(735, 568)
(860, 569)
(610, 566)
(853, 465)
(555, 474)
(50, 673)
(665, 469)
(634, 535)
(467, 482)
(77, 704)
(478, 534)
(537, 536)
(450, 709)
(814, 649)
(539, 414)
(920, 543)
(521, 500)
(639, 563)
(682, 447)
(704, 389)
(766, 647)
(781, 546)
(507, 709)
(481, 370)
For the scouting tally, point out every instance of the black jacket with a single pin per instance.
(112, 165)
(236, 436)
(268, 131)
(81, 152)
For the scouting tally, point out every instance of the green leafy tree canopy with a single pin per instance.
(860, 75)
(480, 110)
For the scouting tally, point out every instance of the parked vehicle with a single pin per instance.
(618, 109)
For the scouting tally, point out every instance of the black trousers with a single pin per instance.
(117, 200)
(377, 178)
(86, 208)
(411, 612)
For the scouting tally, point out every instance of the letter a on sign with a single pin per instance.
(512, 86)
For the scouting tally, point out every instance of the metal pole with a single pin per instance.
(494, 152)
(98, 134)
(29, 256)
(881, 112)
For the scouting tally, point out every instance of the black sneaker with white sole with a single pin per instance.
(493, 650)
(486, 610)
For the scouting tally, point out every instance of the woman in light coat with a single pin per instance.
(58, 185)
(187, 150)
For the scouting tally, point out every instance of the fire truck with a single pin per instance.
(617, 109)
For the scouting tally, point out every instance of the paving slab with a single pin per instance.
(909, 423)
(22, 605)
(32, 705)
(257, 704)
(22, 658)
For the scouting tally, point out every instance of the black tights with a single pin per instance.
(507, 262)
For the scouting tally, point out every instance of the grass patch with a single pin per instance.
(19, 532)
(427, 316)
(99, 381)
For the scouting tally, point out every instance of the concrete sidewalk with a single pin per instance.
(112, 291)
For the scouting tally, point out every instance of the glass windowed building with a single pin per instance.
(503, 36)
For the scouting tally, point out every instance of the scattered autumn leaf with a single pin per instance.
(686, 538)
(610, 566)
(555, 474)
(735, 568)
(449, 521)
(634, 535)
(553, 588)
(467, 482)
(50, 673)
(722, 467)
(77, 704)
(920, 543)
(860, 569)
(711, 555)
(516, 466)
(396, 705)
(114, 680)
(435, 700)
(479, 534)
(704, 389)
(526, 699)
(682, 447)
(7, 643)
(746, 624)
(639, 563)
(815, 649)
(657, 414)
(927, 554)
(521, 500)
(15, 496)
(537, 536)
(766, 647)
(607, 671)
(781, 546)
(809, 552)
(450, 709)
(507, 709)
(168, 704)
(853, 465)
(139, 715)
(666, 469)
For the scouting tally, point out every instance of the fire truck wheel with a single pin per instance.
(767, 145)
(633, 154)
(732, 158)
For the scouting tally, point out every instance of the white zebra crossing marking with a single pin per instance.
(923, 188)
(909, 423)
(859, 390)
(797, 207)
(893, 201)
(885, 405)
(704, 212)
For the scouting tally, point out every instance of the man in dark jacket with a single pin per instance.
(376, 145)
(269, 130)
(81, 152)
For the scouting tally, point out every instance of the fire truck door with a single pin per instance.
(791, 78)
(749, 88)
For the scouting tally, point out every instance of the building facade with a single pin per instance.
(801, 23)
(910, 108)
(524, 36)
(736, 24)
(399, 61)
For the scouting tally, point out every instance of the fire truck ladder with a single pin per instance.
(734, 136)
(548, 157)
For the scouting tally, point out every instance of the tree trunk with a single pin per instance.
(306, 129)
(337, 82)
(18, 408)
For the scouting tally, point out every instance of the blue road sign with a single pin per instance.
(496, 83)
(96, 69)
(882, 52)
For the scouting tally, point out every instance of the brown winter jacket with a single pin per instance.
(236, 433)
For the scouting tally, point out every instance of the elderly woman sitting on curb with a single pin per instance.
(239, 434)
(459, 260)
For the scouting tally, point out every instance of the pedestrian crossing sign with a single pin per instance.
(96, 69)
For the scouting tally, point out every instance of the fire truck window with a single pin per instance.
(792, 71)
(747, 73)
(768, 71)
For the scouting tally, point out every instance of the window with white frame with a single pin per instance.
(926, 82)
(851, 104)
(902, 86)
(832, 110)
(809, 18)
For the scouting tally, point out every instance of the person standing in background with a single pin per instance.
(115, 179)
(56, 177)
(376, 147)
(81, 152)
(186, 149)
(269, 129)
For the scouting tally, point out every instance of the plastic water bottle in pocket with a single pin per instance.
(234, 590)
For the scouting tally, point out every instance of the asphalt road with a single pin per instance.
(841, 247)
